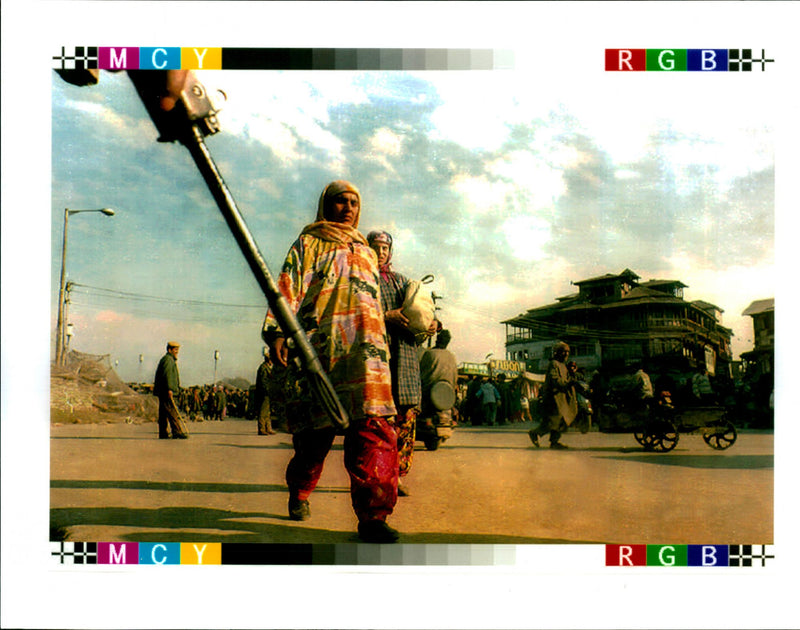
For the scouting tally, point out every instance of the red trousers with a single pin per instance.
(370, 458)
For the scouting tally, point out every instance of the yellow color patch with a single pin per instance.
(201, 553)
(201, 58)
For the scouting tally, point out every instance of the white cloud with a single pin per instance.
(481, 197)
(526, 237)
(386, 142)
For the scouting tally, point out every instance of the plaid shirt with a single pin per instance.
(404, 364)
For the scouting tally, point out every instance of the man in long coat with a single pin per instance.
(560, 403)
(262, 399)
(167, 386)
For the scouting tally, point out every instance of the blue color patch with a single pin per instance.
(708, 555)
(707, 60)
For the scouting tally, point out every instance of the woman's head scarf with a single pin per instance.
(379, 236)
(336, 232)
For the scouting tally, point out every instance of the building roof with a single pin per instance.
(706, 306)
(626, 273)
(660, 283)
(760, 306)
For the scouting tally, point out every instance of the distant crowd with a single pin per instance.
(208, 402)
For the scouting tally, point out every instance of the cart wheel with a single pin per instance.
(665, 438)
(723, 437)
(642, 438)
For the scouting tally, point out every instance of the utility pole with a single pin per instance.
(216, 358)
(60, 333)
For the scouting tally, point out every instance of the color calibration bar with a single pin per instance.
(204, 58)
(688, 555)
(203, 553)
(685, 60)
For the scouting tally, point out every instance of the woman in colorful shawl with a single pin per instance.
(330, 280)
(404, 364)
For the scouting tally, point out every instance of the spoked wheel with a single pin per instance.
(661, 437)
(667, 438)
(722, 437)
(644, 438)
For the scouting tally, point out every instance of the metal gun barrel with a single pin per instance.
(188, 123)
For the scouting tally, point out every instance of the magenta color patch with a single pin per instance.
(118, 58)
(117, 553)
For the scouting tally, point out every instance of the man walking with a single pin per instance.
(560, 405)
(262, 405)
(167, 385)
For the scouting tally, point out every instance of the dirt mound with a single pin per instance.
(88, 390)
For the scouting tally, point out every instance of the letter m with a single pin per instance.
(116, 61)
(115, 557)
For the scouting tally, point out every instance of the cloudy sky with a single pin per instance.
(505, 188)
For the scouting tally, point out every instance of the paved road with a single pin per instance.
(225, 484)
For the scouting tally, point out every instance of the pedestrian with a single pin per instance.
(489, 398)
(504, 409)
(643, 389)
(559, 402)
(403, 362)
(438, 365)
(473, 403)
(262, 402)
(167, 386)
(701, 388)
(330, 279)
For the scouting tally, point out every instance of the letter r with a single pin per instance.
(625, 554)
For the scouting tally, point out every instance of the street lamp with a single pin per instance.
(60, 336)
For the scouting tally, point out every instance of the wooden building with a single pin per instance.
(761, 359)
(615, 321)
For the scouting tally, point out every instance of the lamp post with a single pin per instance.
(60, 336)
(216, 358)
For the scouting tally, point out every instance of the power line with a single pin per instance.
(126, 295)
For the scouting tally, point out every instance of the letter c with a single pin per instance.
(153, 554)
(159, 66)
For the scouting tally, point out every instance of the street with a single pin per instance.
(118, 482)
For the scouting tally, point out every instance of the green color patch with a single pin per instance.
(667, 556)
(666, 60)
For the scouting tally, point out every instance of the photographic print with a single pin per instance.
(229, 369)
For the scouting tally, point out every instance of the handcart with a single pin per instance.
(657, 424)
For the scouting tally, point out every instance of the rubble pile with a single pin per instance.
(87, 389)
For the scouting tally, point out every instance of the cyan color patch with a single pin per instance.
(160, 58)
(159, 553)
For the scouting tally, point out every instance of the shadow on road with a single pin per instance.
(178, 486)
(186, 525)
(713, 460)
